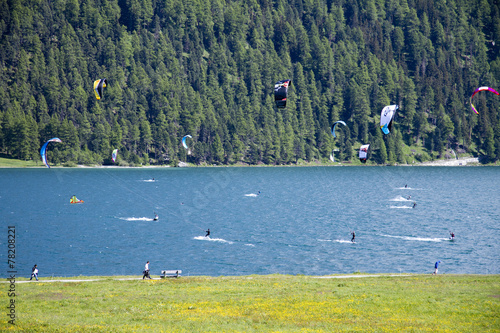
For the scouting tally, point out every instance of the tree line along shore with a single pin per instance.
(207, 69)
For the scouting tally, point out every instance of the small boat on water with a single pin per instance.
(75, 200)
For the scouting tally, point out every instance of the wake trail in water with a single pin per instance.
(419, 239)
(136, 218)
(399, 198)
(205, 238)
(400, 207)
(337, 241)
(251, 195)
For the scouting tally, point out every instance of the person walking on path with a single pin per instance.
(436, 267)
(34, 273)
(146, 271)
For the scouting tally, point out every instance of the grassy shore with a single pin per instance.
(274, 303)
(13, 163)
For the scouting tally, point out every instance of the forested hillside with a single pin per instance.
(208, 67)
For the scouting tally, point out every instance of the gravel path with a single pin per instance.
(140, 278)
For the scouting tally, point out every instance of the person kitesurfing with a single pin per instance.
(452, 235)
(414, 204)
(156, 217)
(353, 236)
(208, 233)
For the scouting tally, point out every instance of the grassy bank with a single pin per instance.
(13, 163)
(276, 303)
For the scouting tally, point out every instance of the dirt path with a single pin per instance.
(41, 280)
(140, 278)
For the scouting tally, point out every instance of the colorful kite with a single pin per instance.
(44, 148)
(363, 153)
(386, 118)
(184, 143)
(99, 85)
(281, 93)
(478, 90)
(335, 124)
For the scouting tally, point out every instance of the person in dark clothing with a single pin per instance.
(146, 271)
(208, 233)
(353, 236)
(34, 273)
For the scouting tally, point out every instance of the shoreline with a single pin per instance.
(464, 161)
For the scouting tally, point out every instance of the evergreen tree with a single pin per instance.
(489, 146)
(382, 150)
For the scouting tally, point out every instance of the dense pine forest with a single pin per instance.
(207, 68)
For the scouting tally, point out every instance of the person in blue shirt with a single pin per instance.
(436, 267)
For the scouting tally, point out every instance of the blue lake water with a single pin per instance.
(300, 223)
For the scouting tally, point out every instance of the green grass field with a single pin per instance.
(274, 303)
(13, 163)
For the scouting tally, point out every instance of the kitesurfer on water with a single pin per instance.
(208, 233)
(156, 217)
(414, 204)
(353, 236)
(452, 234)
